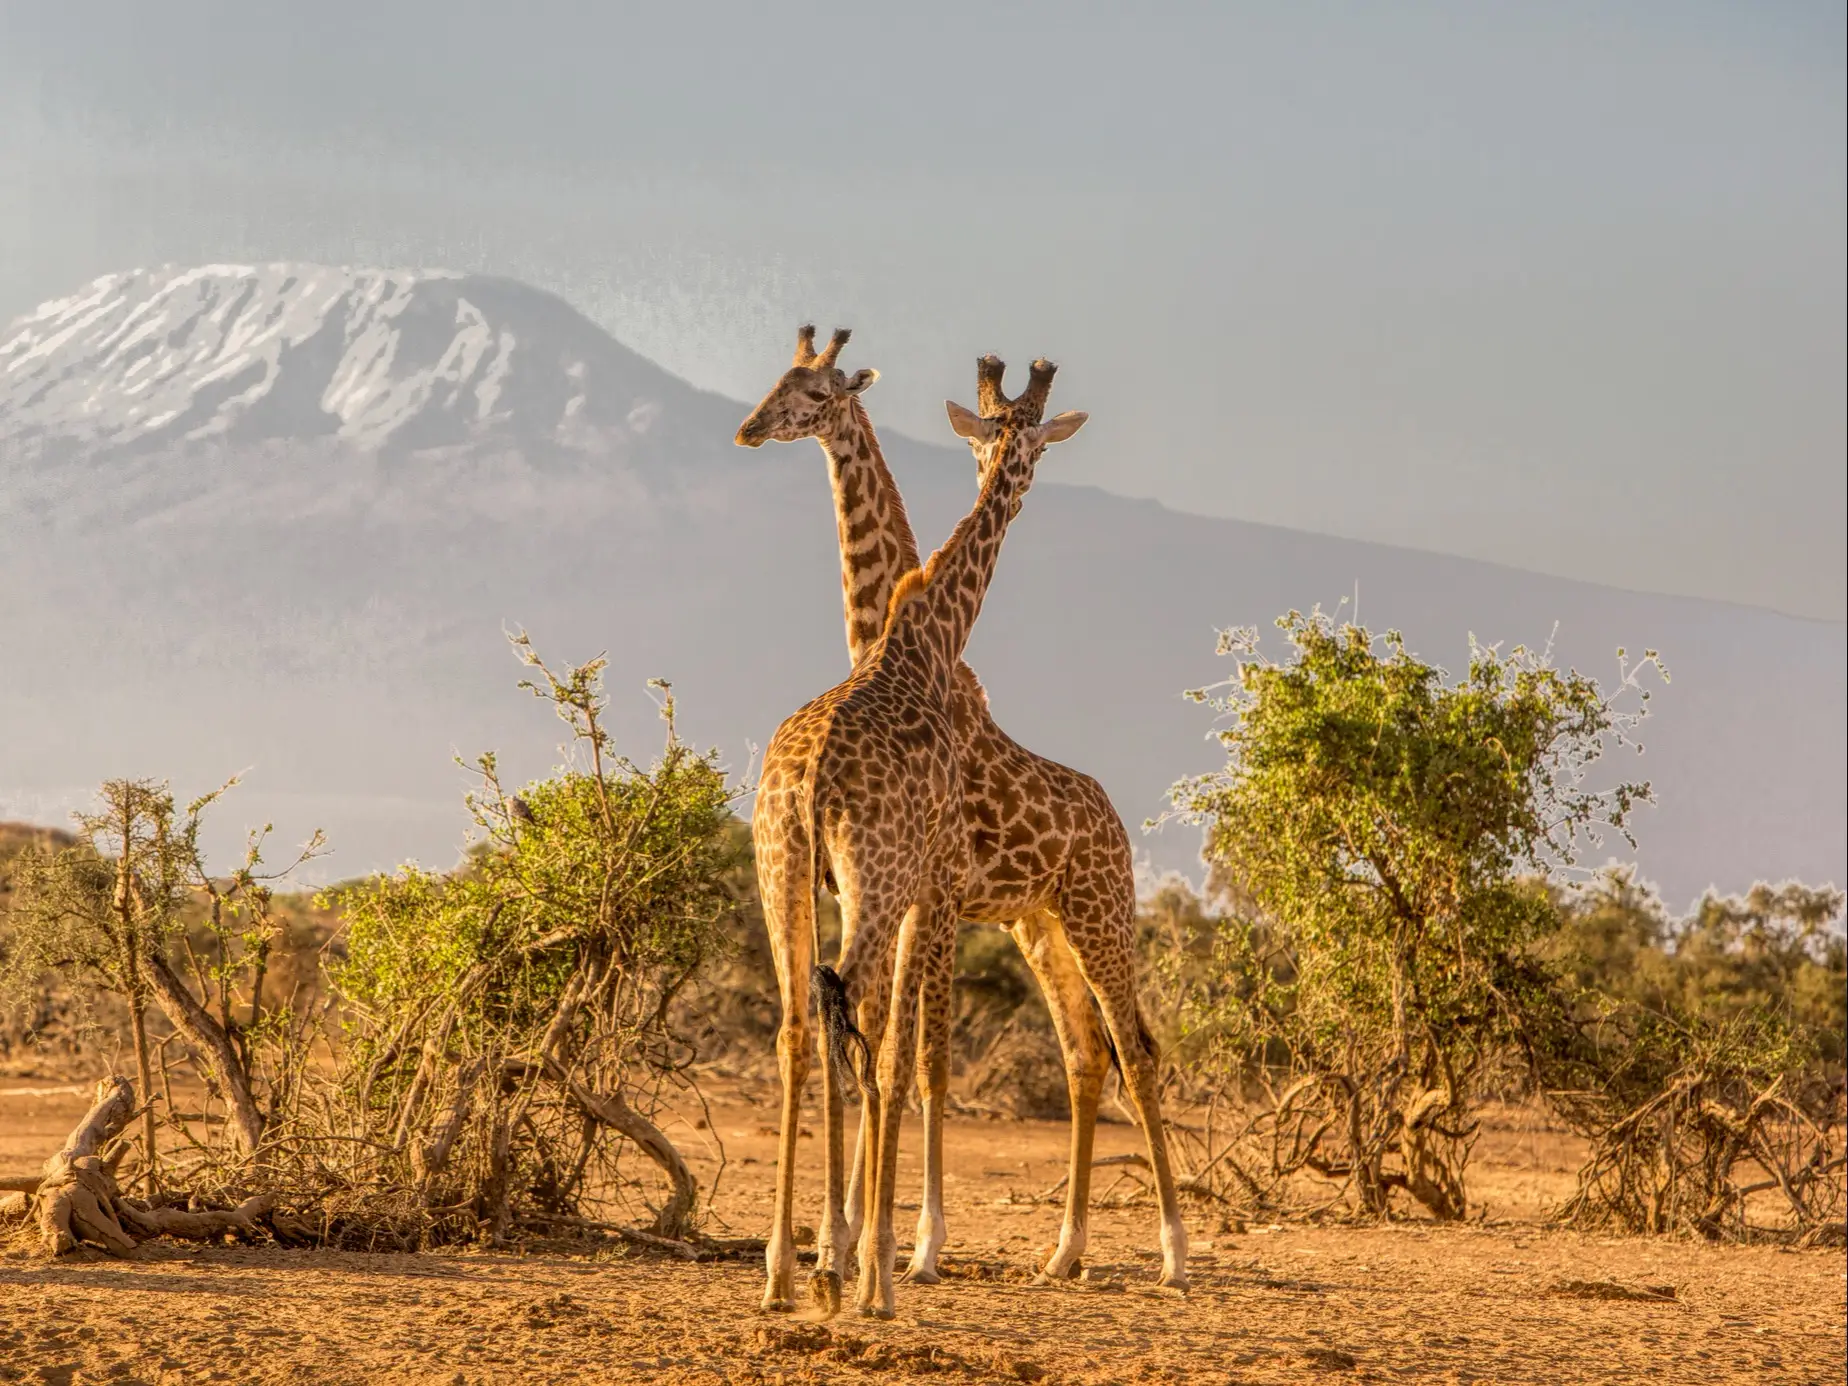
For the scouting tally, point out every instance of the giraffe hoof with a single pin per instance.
(1051, 1274)
(876, 1311)
(825, 1291)
(1174, 1284)
(777, 1304)
(922, 1275)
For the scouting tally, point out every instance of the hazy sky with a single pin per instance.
(1560, 285)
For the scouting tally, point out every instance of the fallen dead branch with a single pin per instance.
(1611, 1290)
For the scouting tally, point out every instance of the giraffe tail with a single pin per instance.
(845, 1042)
(1103, 1028)
(1143, 1039)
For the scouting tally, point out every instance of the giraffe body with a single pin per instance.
(1049, 857)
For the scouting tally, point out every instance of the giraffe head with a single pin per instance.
(811, 394)
(1005, 424)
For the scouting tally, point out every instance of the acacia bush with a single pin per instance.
(511, 1028)
(1702, 1059)
(1389, 829)
(485, 1047)
(48, 1027)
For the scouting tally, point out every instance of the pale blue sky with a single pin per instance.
(1560, 285)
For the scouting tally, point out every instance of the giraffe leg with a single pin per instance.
(792, 1054)
(854, 1209)
(917, 938)
(933, 1089)
(1109, 968)
(867, 928)
(840, 1239)
(1082, 1040)
(788, 906)
(825, 1283)
(873, 1022)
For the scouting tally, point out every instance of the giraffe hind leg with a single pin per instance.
(1109, 968)
(933, 1090)
(874, 1000)
(863, 974)
(790, 926)
(1086, 1046)
(918, 942)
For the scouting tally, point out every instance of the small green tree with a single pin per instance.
(1391, 827)
(108, 910)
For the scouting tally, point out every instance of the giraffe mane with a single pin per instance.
(910, 586)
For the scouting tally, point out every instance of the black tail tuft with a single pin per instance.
(1116, 1059)
(845, 1042)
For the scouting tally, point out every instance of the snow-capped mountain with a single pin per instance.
(380, 360)
(278, 517)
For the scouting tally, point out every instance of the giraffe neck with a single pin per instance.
(956, 579)
(877, 544)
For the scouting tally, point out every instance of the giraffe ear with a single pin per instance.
(965, 423)
(860, 379)
(1061, 426)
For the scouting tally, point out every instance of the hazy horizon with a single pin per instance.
(1559, 289)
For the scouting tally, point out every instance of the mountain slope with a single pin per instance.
(327, 606)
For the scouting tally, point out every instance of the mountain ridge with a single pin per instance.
(394, 290)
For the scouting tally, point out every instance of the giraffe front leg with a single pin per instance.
(933, 1088)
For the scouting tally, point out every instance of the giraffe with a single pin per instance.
(862, 782)
(1050, 856)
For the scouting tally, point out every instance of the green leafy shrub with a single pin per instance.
(1388, 828)
(514, 1022)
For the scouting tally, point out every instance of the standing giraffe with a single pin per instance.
(1050, 857)
(861, 784)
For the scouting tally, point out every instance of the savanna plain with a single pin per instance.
(1507, 1297)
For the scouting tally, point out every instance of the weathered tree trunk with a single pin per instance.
(76, 1198)
(676, 1216)
(428, 1159)
(79, 1201)
(191, 1019)
(496, 1191)
(1433, 1175)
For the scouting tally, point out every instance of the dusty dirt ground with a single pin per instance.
(1488, 1303)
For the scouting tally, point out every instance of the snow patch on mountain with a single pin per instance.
(380, 360)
